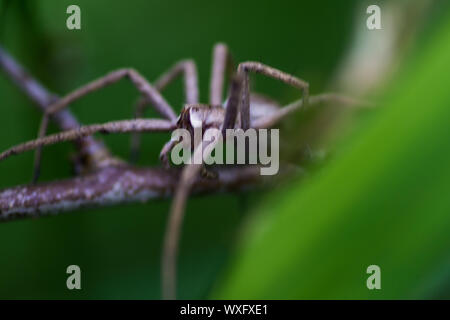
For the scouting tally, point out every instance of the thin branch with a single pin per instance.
(109, 185)
(43, 99)
(112, 186)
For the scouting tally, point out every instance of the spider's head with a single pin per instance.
(192, 116)
(202, 116)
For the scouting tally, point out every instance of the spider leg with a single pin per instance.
(189, 174)
(188, 69)
(222, 62)
(173, 229)
(124, 126)
(146, 89)
(164, 154)
(271, 120)
(232, 107)
(135, 138)
(256, 67)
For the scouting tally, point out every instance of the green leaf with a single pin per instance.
(384, 199)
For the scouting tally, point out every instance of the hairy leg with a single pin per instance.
(256, 67)
(38, 153)
(124, 126)
(232, 107)
(146, 89)
(173, 229)
(188, 69)
(282, 113)
(135, 138)
(177, 210)
(222, 62)
(164, 154)
(93, 150)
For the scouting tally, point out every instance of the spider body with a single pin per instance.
(208, 116)
(202, 116)
(241, 110)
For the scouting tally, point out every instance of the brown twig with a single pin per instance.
(109, 185)
(112, 186)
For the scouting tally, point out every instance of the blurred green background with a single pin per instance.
(380, 198)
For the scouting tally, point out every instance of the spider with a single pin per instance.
(241, 109)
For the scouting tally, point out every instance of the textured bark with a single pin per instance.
(108, 185)
(111, 186)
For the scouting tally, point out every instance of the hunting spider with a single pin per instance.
(240, 110)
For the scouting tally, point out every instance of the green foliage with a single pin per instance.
(380, 201)
(383, 200)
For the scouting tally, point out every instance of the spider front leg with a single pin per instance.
(165, 151)
(146, 89)
(188, 176)
(256, 67)
(188, 69)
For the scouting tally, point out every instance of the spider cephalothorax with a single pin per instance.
(197, 119)
(202, 116)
